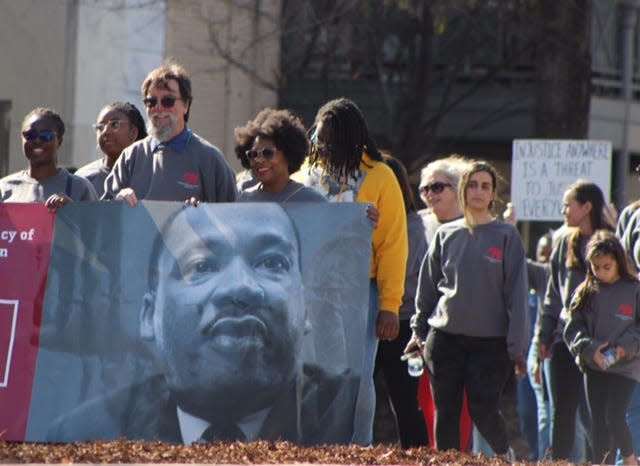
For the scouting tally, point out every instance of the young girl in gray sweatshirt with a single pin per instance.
(603, 334)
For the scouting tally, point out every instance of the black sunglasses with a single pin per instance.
(166, 102)
(437, 187)
(266, 154)
(45, 135)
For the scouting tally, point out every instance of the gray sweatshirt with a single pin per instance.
(475, 283)
(417, 251)
(96, 172)
(293, 192)
(166, 174)
(20, 187)
(562, 283)
(612, 316)
(538, 274)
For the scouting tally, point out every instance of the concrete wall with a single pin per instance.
(36, 63)
(118, 44)
(227, 91)
(76, 56)
(607, 122)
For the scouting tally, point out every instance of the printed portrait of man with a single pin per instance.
(225, 315)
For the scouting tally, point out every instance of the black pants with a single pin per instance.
(479, 365)
(567, 391)
(403, 389)
(609, 396)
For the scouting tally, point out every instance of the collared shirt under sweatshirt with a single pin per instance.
(176, 170)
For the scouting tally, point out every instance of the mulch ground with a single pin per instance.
(262, 452)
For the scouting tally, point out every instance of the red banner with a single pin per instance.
(26, 232)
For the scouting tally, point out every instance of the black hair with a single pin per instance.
(51, 114)
(348, 138)
(133, 114)
(402, 176)
(281, 126)
(603, 242)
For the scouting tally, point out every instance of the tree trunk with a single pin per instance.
(563, 69)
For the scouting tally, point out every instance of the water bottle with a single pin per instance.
(533, 302)
(610, 356)
(415, 363)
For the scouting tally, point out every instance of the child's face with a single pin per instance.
(605, 268)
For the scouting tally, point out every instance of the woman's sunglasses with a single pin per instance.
(266, 154)
(436, 187)
(45, 135)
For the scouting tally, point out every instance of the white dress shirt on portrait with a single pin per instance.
(192, 427)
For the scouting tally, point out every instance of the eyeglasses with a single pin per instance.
(436, 187)
(45, 135)
(113, 124)
(267, 153)
(166, 101)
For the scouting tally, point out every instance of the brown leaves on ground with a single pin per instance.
(126, 451)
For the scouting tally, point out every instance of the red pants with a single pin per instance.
(426, 404)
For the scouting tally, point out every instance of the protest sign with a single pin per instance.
(541, 170)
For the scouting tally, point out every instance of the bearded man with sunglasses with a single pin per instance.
(172, 163)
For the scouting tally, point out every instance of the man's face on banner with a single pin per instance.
(228, 314)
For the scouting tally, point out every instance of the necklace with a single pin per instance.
(281, 196)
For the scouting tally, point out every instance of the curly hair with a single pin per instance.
(160, 77)
(133, 115)
(348, 138)
(49, 113)
(281, 126)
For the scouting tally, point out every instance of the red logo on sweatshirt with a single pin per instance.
(626, 309)
(495, 253)
(191, 178)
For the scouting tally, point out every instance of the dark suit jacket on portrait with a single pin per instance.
(146, 411)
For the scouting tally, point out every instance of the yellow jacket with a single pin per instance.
(377, 185)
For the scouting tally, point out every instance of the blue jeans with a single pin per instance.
(528, 414)
(633, 420)
(479, 444)
(542, 404)
(366, 401)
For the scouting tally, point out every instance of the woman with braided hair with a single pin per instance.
(346, 166)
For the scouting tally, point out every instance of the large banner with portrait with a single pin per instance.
(185, 324)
